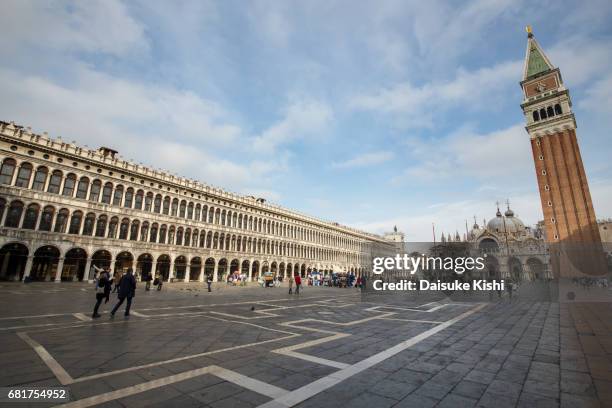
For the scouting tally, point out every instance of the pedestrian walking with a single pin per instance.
(298, 283)
(147, 279)
(290, 285)
(117, 278)
(127, 290)
(103, 289)
(209, 282)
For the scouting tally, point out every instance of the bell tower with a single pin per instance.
(564, 190)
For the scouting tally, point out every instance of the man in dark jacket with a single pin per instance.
(127, 289)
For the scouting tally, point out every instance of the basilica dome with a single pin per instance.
(506, 223)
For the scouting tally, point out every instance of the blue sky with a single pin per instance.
(366, 113)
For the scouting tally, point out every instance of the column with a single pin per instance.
(216, 270)
(171, 271)
(58, 272)
(187, 272)
(28, 267)
(201, 274)
(88, 270)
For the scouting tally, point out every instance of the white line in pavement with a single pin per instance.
(82, 317)
(301, 394)
(55, 367)
(228, 375)
(135, 313)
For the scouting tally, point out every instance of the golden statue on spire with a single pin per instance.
(529, 31)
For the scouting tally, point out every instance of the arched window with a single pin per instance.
(162, 234)
(23, 175)
(536, 116)
(183, 208)
(558, 110)
(46, 219)
(211, 215)
(179, 236)
(157, 204)
(101, 226)
(174, 207)
(107, 192)
(118, 195)
(202, 239)
(112, 227)
(7, 170)
(61, 220)
(197, 212)
(166, 205)
(124, 228)
(40, 178)
(134, 230)
(55, 182)
(153, 234)
(542, 113)
(31, 216)
(129, 197)
(75, 222)
(187, 237)
(138, 200)
(69, 185)
(82, 188)
(148, 201)
(550, 112)
(144, 231)
(94, 192)
(13, 215)
(171, 235)
(190, 211)
(88, 226)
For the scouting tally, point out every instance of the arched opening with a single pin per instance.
(44, 265)
(144, 266)
(75, 222)
(516, 269)
(180, 267)
(23, 175)
(195, 269)
(13, 259)
(209, 268)
(274, 268)
(94, 191)
(7, 170)
(491, 268)
(488, 246)
(55, 182)
(303, 271)
(235, 267)
(123, 262)
(74, 265)
(162, 269)
(46, 219)
(69, 185)
(550, 112)
(89, 224)
(542, 113)
(101, 259)
(61, 220)
(536, 116)
(281, 270)
(558, 109)
(40, 178)
(537, 270)
(245, 268)
(289, 270)
(255, 270)
(222, 270)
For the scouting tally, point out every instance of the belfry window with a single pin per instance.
(550, 112)
(536, 116)
(558, 110)
(542, 113)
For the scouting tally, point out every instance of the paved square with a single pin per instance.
(244, 347)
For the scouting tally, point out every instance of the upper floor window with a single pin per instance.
(23, 175)
(94, 192)
(129, 197)
(82, 188)
(118, 195)
(40, 178)
(138, 200)
(13, 216)
(7, 170)
(55, 182)
(107, 192)
(69, 184)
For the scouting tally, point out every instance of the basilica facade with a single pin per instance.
(64, 208)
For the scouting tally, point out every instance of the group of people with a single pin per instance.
(125, 286)
(298, 283)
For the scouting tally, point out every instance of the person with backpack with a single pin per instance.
(127, 290)
(298, 283)
(103, 290)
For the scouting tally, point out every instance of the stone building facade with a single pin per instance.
(64, 208)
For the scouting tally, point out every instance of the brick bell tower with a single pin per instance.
(568, 211)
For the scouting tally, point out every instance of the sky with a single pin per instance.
(367, 113)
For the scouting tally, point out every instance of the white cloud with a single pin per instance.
(302, 118)
(365, 159)
(103, 26)
(420, 105)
